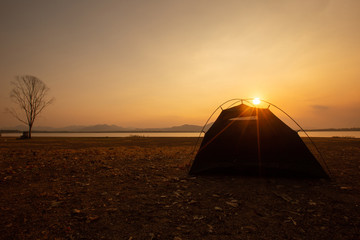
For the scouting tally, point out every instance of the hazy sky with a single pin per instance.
(165, 63)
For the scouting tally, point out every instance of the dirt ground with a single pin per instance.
(135, 188)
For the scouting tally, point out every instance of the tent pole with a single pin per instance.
(202, 130)
(321, 156)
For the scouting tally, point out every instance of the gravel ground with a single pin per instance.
(137, 188)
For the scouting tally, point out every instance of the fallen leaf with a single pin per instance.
(76, 211)
(92, 218)
(111, 209)
(283, 196)
(292, 220)
(249, 228)
(198, 217)
(192, 202)
(233, 204)
(55, 203)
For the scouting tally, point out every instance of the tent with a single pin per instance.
(247, 140)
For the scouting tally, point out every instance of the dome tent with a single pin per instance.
(249, 140)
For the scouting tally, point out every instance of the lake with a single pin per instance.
(352, 134)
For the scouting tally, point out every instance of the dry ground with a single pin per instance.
(133, 188)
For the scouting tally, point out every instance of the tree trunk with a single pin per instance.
(30, 127)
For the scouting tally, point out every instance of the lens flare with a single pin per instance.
(256, 101)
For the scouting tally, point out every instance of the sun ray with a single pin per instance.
(256, 101)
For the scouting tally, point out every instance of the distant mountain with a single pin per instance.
(185, 128)
(115, 128)
(103, 128)
(109, 128)
(182, 128)
(18, 128)
(333, 129)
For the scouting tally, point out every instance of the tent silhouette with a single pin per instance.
(247, 140)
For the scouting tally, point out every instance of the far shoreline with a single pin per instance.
(173, 134)
(159, 131)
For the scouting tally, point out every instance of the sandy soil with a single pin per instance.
(134, 188)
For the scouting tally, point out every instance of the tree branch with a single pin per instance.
(29, 93)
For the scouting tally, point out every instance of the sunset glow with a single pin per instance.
(256, 101)
(168, 63)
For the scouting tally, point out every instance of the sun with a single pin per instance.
(256, 101)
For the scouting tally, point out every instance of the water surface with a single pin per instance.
(352, 134)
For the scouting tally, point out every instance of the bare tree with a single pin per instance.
(30, 94)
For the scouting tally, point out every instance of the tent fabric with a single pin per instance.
(247, 140)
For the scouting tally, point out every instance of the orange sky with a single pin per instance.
(166, 63)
